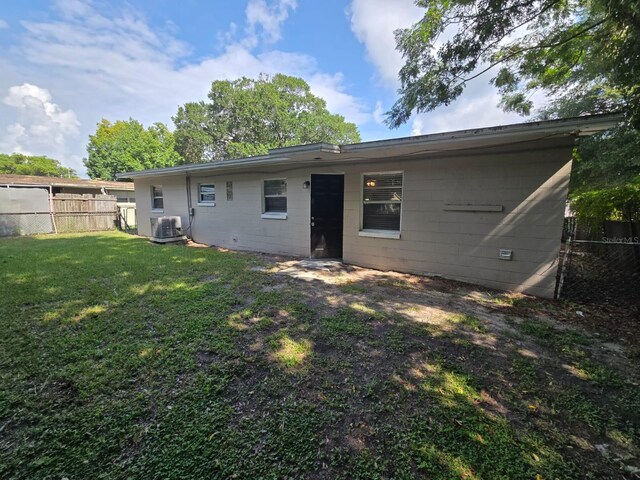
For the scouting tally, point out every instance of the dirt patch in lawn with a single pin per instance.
(531, 364)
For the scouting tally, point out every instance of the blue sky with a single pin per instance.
(68, 63)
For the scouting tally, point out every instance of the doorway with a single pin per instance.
(327, 215)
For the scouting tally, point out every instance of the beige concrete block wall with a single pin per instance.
(237, 223)
(532, 188)
(530, 184)
(175, 201)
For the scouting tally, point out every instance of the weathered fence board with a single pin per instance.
(84, 213)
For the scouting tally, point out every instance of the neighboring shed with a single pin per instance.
(484, 206)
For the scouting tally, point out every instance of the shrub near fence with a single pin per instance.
(84, 213)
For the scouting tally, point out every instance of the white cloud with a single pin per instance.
(227, 37)
(3, 24)
(42, 125)
(264, 20)
(378, 113)
(332, 89)
(118, 66)
(417, 126)
(21, 95)
(12, 140)
(373, 23)
(73, 8)
(477, 107)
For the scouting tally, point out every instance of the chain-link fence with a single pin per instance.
(31, 223)
(600, 264)
(25, 211)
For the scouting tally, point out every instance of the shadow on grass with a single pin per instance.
(122, 358)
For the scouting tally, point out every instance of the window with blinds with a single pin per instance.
(206, 193)
(275, 196)
(157, 200)
(382, 201)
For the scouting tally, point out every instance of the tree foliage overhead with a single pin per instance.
(19, 164)
(126, 146)
(586, 51)
(605, 180)
(248, 117)
(610, 158)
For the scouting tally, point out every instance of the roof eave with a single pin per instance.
(311, 147)
(577, 126)
(191, 168)
(275, 156)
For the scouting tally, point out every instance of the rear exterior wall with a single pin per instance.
(530, 184)
(175, 201)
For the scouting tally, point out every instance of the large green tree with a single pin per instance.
(605, 180)
(19, 164)
(248, 117)
(585, 51)
(126, 146)
(584, 55)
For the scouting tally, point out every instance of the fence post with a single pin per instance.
(119, 218)
(636, 248)
(51, 212)
(567, 254)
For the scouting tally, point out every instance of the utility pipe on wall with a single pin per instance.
(190, 212)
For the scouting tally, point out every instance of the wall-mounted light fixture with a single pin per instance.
(306, 184)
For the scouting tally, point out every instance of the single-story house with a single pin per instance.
(124, 191)
(485, 206)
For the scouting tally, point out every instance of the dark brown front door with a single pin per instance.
(327, 211)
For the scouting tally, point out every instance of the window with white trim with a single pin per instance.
(206, 193)
(275, 196)
(381, 201)
(157, 201)
(229, 191)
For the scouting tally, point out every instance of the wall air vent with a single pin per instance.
(505, 254)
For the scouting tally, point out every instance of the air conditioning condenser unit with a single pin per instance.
(167, 230)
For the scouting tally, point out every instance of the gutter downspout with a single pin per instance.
(189, 207)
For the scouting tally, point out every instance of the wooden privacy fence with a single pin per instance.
(84, 213)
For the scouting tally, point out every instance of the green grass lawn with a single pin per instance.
(123, 359)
